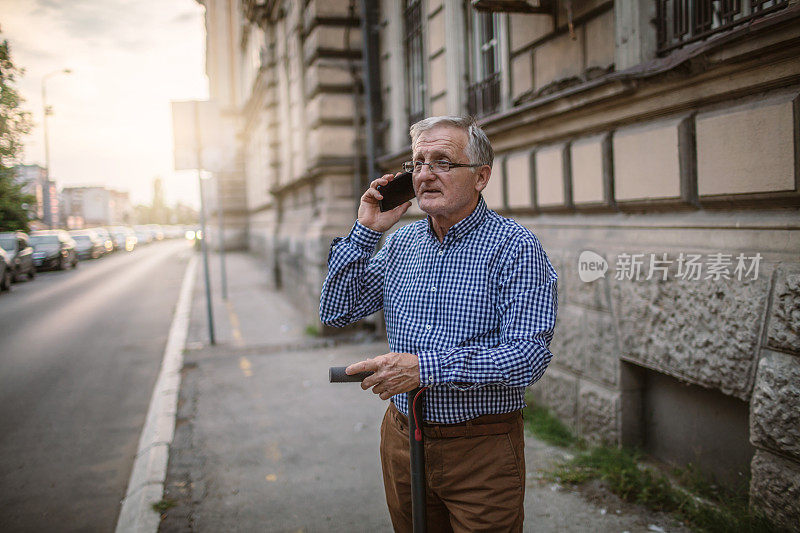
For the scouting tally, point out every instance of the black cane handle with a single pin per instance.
(336, 374)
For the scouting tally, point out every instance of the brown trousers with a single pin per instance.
(474, 482)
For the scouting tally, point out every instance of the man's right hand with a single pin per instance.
(369, 212)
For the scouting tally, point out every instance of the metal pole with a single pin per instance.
(49, 215)
(44, 124)
(46, 112)
(221, 220)
(203, 245)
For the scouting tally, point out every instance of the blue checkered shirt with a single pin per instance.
(478, 308)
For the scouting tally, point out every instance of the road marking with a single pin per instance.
(146, 484)
(245, 365)
(234, 320)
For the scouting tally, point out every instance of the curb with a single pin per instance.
(146, 484)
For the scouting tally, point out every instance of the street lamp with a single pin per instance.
(48, 111)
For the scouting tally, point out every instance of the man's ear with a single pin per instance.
(482, 177)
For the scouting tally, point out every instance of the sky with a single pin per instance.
(111, 123)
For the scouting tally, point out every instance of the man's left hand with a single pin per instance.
(394, 373)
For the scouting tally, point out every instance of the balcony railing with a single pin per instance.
(681, 22)
(483, 97)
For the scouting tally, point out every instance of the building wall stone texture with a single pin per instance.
(550, 176)
(585, 342)
(600, 349)
(775, 488)
(568, 343)
(775, 407)
(748, 149)
(784, 317)
(646, 161)
(560, 392)
(598, 413)
(558, 58)
(702, 331)
(587, 170)
(519, 179)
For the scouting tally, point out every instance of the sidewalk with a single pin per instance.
(264, 443)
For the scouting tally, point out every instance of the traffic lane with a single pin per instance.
(75, 384)
(51, 285)
(34, 324)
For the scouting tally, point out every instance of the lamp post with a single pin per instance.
(48, 111)
(203, 245)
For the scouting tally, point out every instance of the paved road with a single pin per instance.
(79, 354)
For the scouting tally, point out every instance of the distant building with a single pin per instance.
(45, 212)
(158, 212)
(86, 206)
(183, 214)
(120, 208)
(95, 206)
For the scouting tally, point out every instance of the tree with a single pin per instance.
(14, 124)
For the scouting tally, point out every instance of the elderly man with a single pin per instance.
(470, 304)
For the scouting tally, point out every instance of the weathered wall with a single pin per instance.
(300, 142)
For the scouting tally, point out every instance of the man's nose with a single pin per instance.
(425, 173)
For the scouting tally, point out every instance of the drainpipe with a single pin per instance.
(371, 75)
(358, 181)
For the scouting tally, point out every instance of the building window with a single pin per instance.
(681, 22)
(415, 64)
(483, 91)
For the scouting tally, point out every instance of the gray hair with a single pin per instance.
(479, 149)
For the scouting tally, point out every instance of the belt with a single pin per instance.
(483, 425)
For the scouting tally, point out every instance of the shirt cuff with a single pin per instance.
(363, 237)
(430, 369)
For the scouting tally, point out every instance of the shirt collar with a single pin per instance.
(465, 225)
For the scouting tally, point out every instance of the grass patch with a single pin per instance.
(312, 330)
(686, 493)
(547, 427)
(699, 503)
(164, 505)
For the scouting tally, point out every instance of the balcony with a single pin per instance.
(681, 22)
(483, 97)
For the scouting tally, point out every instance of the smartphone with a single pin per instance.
(396, 192)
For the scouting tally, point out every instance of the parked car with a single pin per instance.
(87, 244)
(124, 238)
(173, 232)
(53, 249)
(156, 231)
(5, 271)
(143, 235)
(105, 236)
(20, 253)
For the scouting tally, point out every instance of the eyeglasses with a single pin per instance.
(440, 166)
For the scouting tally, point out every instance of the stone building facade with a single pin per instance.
(225, 193)
(654, 143)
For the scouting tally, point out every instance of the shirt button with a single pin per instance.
(433, 288)
(428, 327)
(430, 378)
(441, 252)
